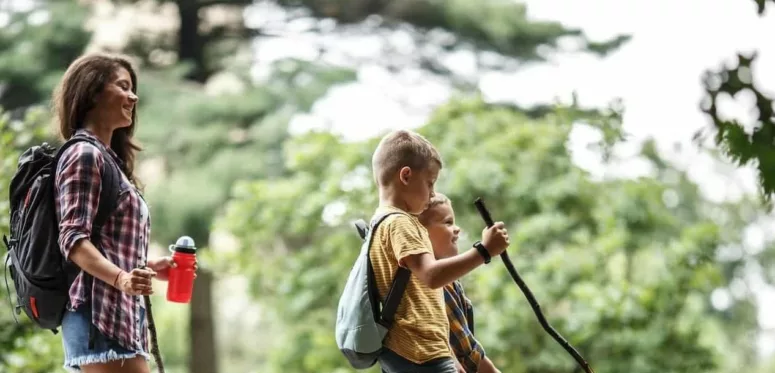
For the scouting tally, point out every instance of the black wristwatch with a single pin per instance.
(482, 251)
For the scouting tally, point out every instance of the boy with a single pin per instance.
(405, 169)
(439, 220)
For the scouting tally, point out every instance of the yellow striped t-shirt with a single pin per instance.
(420, 331)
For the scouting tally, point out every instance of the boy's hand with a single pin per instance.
(495, 239)
(458, 366)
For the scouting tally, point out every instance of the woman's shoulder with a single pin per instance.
(83, 152)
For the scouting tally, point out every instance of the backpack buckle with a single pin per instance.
(362, 228)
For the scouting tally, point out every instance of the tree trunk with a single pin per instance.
(190, 42)
(201, 329)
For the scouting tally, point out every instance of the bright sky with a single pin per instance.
(673, 43)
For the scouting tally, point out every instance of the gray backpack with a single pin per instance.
(361, 325)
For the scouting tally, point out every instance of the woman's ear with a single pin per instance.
(404, 175)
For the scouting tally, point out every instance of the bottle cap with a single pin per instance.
(184, 244)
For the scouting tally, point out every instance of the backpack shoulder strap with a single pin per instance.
(394, 295)
(111, 181)
(387, 315)
(111, 186)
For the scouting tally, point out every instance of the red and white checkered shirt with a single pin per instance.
(123, 240)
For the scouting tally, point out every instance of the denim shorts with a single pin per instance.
(75, 340)
(391, 362)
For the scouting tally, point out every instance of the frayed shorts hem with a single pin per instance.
(74, 365)
(76, 332)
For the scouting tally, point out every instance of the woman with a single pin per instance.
(104, 329)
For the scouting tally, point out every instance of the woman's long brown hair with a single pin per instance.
(75, 96)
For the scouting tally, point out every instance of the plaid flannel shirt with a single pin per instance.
(123, 240)
(460, 312)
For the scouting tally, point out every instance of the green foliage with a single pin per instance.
(744, 143)
(26, 348)
(622, 271)
(35, 48)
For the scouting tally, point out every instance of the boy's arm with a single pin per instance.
(415, 252)
(438, 273)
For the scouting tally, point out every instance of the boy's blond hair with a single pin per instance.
(437, 200)
(402, 148)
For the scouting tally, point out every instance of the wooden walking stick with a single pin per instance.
(529, 295)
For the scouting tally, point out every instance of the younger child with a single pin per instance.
(405, 167)
(439, 219)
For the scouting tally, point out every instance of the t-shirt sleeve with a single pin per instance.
(406, 239)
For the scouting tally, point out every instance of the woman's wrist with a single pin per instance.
(115, 280)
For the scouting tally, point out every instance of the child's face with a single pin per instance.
(442, 230)
(418, 187)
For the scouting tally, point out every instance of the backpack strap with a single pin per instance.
(386, 315)
(394, 296)
(111, 186)
(110, 183)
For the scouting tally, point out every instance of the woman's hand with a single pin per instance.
(137, 282)
(162, 267)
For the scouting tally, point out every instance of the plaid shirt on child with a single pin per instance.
(460, 312)
(123, 240)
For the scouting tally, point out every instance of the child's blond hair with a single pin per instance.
(437, 200)
(402, 148)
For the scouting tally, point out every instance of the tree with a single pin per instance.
(623, 268)
(202, 49)
(49, 33)
(743, 143)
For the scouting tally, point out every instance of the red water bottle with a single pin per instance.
(181, 279)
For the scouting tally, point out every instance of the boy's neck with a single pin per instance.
(388, 197)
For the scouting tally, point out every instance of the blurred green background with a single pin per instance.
(258, 119)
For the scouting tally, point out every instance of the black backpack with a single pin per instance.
(41, 275)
